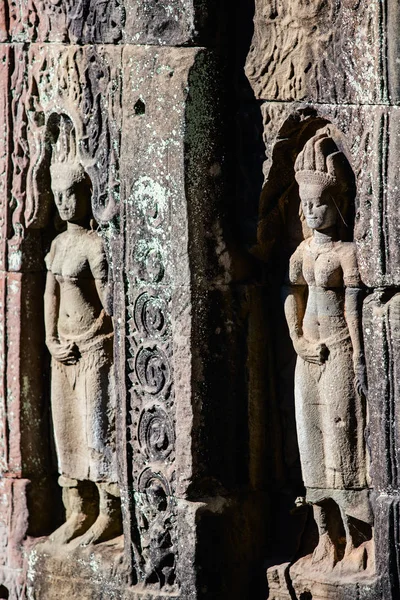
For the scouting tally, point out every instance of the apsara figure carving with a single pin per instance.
(79, 336)
(323, 311)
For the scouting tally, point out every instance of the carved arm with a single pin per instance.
(65, 353)
(295, 306)
(353, 311)
(101, 273)
(105, 291)
(51, 308)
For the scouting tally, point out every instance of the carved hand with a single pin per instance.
(64, 353)
(360, 379)
(312, 353)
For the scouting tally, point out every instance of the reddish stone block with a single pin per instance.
(14, 520)
(3, 21)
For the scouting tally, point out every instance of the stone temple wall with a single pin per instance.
(159, 164)
(122, 103)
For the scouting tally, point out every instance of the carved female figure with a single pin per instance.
(323, 308)
(79, 336)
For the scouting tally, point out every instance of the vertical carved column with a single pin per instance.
(181, 332)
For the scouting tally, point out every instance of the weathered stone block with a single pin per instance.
(386, 509)
(161, 23)
(14, 527)
(14, 520)
(81, 22)
(91, 573)
(24, 445)
(324, 51)
(279, 584)
(382, 337)
(322, 590)
(220, 536)
(5, 68)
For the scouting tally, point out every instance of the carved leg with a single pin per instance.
(357, 532)
(80, 510)
(325, 551)
(109, 522)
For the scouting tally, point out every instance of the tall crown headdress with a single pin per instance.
(65, 165)
(315, 165)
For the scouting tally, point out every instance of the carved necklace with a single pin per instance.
(317, 249)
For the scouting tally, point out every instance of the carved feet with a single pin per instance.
(80, 511)
(104, 528)
(325, 552)
(345, 545)
(90, 518)
(356, 560)
(75, 526)
(109, 522)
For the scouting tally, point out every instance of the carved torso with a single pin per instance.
(78, 262)
(326, 270)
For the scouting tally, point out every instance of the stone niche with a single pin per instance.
(330, 67)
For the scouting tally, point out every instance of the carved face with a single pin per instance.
(70, 195)
(318, 207)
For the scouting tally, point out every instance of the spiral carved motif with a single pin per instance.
(152, 200)
(156, 492)
(151, 315)
(152, 266)
(148, 261)
(156, 434)
(152, 369)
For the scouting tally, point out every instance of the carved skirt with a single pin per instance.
(330, 420)
(83, 411)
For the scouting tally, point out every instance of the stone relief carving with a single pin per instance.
(156, 434)
(150, 315)
(81, 81)
(311, 48)
(73, 21)
(367, 133)
(79, 336)
(152, 389)
(156, 523)
(323, 310)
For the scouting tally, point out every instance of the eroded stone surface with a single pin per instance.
(325, 51)
(172, 22)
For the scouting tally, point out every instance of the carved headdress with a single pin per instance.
(65, 166)
(316, 163)
(322, 164)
